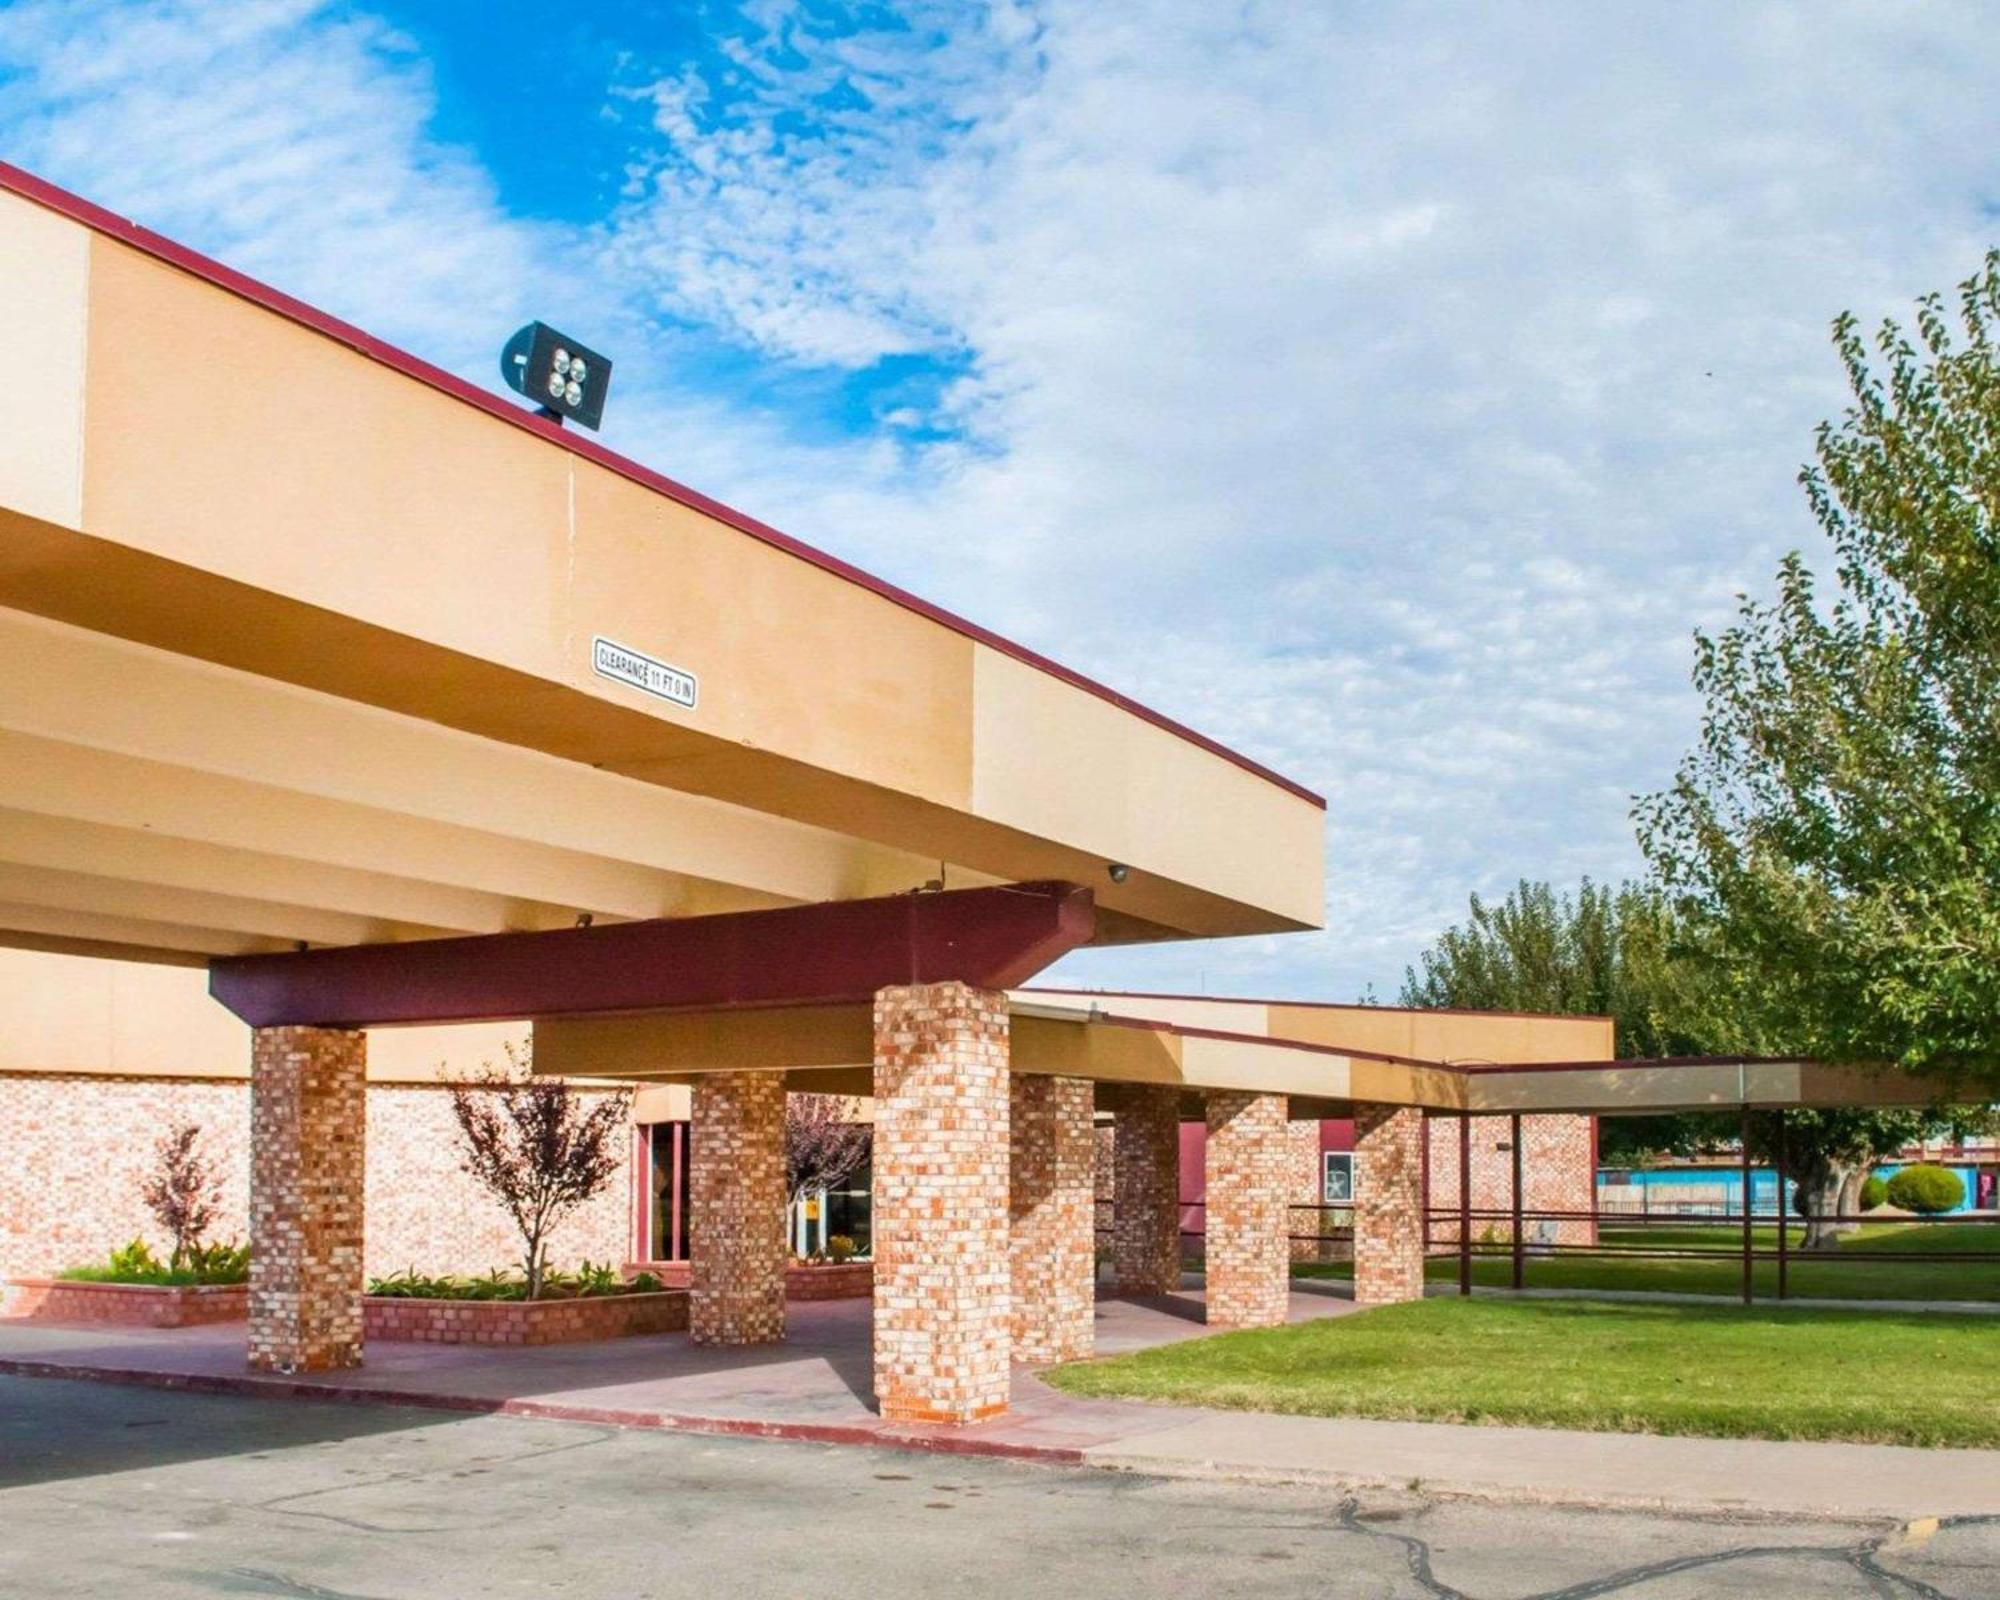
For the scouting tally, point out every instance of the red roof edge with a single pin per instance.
(17, 180)
(1322, 1005)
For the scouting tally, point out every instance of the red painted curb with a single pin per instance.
(280, 1388)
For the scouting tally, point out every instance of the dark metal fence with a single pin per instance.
(1520, 1234)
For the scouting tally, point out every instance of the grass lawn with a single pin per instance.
(1821, 1274)
(1878, 1377)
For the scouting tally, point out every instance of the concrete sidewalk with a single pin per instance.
(816, 1387)
(1549, 1466)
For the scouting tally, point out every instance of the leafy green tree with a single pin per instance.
(1833, 842)
(1632, 954)
(1600, 951)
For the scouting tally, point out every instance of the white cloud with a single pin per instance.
(1384, 392)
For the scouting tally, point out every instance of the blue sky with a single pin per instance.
(1386, 391)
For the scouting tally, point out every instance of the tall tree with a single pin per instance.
(824, 1145)
(1835, 836)
(1600, 952)
(1631, 954)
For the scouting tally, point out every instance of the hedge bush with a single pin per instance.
(1926, 1189)
(1873, 1191)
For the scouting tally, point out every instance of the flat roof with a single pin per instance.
(18, 180)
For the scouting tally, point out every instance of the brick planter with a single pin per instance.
(130, 1305)
(827, 1280)
(524, 1322)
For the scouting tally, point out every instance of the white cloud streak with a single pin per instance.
(1385, 392)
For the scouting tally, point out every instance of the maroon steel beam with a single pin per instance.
(1749, 1241)
(839, 951)
(1465, 1202)
(1520, 1243)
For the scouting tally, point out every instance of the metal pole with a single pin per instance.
(1784, 1210)
(1424, 1122)
(1465, 1202)
(1520, 1244)
(1749, 1267)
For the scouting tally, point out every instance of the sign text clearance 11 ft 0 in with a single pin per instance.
(623, 665)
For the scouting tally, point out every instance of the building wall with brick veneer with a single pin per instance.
(943, 1335)
(1251, 1173)
(75, 1151)
(1051, 1203)
(1558, 1174)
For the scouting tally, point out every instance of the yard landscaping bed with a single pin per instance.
(1874, 1377)
(570, 1320)
(129, 1305)
(804, 1280)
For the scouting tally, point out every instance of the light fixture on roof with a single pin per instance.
(1117, 871)
(566, 380)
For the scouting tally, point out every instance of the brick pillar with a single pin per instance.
(1388, 1204)
(737, 1252)
(942, 1334)
(1146, 1197)
(308, 1140)
(1249, 1210)
(1051, 1210)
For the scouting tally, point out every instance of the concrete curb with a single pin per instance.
(943, 1442)
(950, 1442)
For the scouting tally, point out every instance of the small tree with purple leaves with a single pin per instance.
(538, 1147)
(824, 1147)
(182, 1191)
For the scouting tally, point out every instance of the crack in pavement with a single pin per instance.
(1862, 1556)
(284, 1504)
(253, 1580)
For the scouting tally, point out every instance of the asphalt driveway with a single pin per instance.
(140, 1493)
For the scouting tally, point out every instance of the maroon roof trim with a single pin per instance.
(19, 181)
(1325, 1005)
(1463, 1068)
(834, 952)
(1633, 1061)
(1181, 1031)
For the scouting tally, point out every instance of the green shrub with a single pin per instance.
(409, 1284)
(592, 1278)
(136, 1263)
(1873, 1192)
(1926, 1190)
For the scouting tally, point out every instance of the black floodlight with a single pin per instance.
(567, 381)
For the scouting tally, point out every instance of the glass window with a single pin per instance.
(1337, 1187)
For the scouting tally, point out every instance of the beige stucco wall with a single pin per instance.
(203, 474)
(80, 1015)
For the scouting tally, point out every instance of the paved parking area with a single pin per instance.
(142, 1493)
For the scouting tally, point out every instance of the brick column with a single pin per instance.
(942, 1335)
(1249, 1210)
(737, 1252)
(1146, 1197)
(1051, 1211)
(308, 1140)
(1388, 1204)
